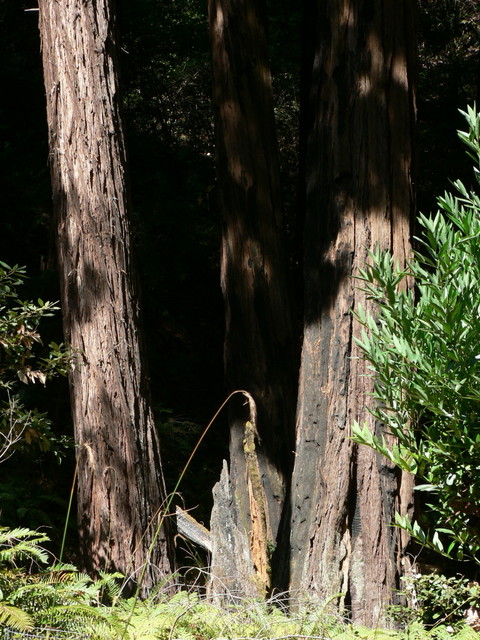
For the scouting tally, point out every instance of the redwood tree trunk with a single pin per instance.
(121, 491)
(259, 345)
(360, 121)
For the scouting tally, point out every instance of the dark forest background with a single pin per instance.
(165, 64)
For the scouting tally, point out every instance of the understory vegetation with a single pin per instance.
(424, 348)
(42, 598)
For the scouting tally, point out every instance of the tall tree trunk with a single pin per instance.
(121, 492)
(361, 118)
(259, 345)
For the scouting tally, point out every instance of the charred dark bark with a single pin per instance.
(358, 196)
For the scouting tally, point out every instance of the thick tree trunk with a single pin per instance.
(259, 346)
(359, 195)
(121, 492)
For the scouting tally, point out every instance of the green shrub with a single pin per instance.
(435, 599)
(21, 364)
(424, 348)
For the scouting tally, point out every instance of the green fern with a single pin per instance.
(79, 616)
(58, 596)
(15, 618)
(64, 598)
(21, 544)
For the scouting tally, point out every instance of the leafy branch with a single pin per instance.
(20, 365)
(423, 345)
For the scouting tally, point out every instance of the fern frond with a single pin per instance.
(63, 567)
(109, 584)
(15, 618)
(76, 616)
(7, 535)
(22, 543)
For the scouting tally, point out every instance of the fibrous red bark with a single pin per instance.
(121, 492)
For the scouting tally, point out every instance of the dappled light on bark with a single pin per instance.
(358, 196)
(120, 485)
(259, 341)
